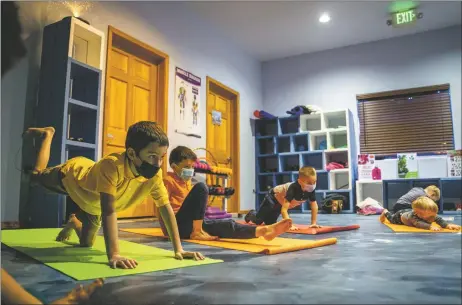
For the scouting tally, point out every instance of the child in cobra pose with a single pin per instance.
(423, 214)
(189, 203)
(288, 196)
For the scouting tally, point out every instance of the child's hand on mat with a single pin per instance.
(453, 227)
(81, 293)
(294, 228)
(197, 256)
(315, 226)
(118, 261)
(435, 228)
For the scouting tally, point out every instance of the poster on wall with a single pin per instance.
(454, 163)
(408, 166)
(366, 164)
(187, 102)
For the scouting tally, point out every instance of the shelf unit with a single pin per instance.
(70, 92)
(450, 197)
(285, 144)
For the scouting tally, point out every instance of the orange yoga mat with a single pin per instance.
(254, 245)
(406, 229)
(305, 229)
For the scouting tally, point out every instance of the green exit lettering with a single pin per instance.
(406, 17)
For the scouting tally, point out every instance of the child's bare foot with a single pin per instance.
(81, 293)
(202, 236)
(39, 132)
(71, 226)
(272, 231)
(382, 216)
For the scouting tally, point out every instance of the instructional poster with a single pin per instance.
(366, 163)
(187, 101)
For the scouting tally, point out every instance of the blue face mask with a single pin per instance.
(187, 173)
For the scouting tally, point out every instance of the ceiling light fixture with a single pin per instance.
(324, 18)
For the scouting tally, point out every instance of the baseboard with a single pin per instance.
(10, 225)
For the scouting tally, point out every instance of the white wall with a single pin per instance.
(171, 27)
(331, 79)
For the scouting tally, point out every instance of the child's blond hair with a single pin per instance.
(433, 189)
(425, 204)
(307, 171)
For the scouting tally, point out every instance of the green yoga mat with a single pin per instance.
(90, 263)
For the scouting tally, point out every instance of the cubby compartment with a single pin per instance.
(266, 127)
(283, 178)
(371, 189)
(290, 163)
(81, 123)
(268, 164)
(86, 44)
(393, 191)
(283, 144)
(314, 160)
(335, 119)
(73, 151)
(338, 139)
(266, 146)
(266, 182)
(84, 84)
(339, 180)
(322, 182)
(318, 140)
(451, 194)
(289, 125)
(346, 203)
(319, 199)
(340, 157)
(300, 142)
(310, 122)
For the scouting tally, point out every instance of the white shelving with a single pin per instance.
(369, 188)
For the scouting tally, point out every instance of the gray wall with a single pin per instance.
(173, 28)
(331, 79)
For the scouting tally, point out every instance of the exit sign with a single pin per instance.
(404, 18)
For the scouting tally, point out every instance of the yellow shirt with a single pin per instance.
(84, 181)
(177, 190)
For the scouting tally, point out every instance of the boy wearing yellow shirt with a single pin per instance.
(115, 183)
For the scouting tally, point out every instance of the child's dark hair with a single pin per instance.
(13, 47)
(140, 134)
(181, 153)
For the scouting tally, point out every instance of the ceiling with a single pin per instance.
(270, 30)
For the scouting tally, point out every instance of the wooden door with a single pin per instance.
(131, 91)
(220, 140)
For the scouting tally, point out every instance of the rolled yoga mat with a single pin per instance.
(406, 229)
(91, 263)
(305, 229)
(254, 245)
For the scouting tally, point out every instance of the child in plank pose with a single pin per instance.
(423, 214)
(115, 183)
(189, 203)
(288, 196)
(405, 201)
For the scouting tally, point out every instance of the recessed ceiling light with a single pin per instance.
(324, 18)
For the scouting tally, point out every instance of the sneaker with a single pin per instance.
(249, 214)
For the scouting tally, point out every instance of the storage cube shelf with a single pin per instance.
(285, 144)
(70, 92)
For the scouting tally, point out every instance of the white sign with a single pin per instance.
(187, 101)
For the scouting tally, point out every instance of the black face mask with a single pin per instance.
(147, 170)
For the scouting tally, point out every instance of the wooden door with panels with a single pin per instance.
(136, 90)
(223, 138)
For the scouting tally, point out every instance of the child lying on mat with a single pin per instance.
(115, 183)
(189, 204)
(405, 201)
(288, 196)
(423, 214)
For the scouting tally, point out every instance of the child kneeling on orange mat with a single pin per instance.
(288, 196)
(423, 214)
(189, 203)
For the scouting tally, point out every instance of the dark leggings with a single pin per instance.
(268, 212)
(396, 217)
(193, 208)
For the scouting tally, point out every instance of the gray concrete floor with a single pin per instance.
(371, 265)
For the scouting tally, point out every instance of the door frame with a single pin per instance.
(162, 88)
(235, 132)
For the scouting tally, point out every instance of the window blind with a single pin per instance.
(414, 120)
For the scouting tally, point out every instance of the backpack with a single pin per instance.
(333, 203)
